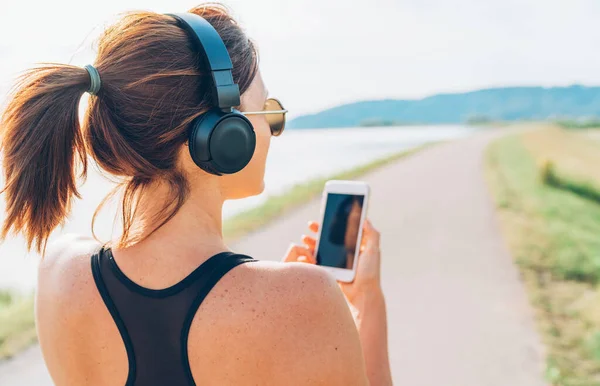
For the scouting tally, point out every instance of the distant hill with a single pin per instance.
(494, 104)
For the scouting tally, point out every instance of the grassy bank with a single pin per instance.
(17, 326)
(592, 123)
(17, 329)
(545, 185)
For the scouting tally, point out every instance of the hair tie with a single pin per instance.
(95, 82)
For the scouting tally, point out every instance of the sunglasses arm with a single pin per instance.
(263, 112)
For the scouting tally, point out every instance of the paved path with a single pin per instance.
(594, 134)
(457, 310)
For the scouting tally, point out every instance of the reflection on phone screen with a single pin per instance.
(339, 234)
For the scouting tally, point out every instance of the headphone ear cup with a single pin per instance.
(220, 142)
(232, 143)
(199, 137)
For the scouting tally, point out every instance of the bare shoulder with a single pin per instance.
(291, 321)
(284, 290)
(67, 249)
(299, 287)
(65, 273)
(70, 313)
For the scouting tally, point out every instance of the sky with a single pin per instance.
(317, 54)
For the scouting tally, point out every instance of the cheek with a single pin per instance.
(263, 141)
(249, 181)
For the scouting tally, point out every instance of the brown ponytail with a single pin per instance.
(153, 86)
(41, 142)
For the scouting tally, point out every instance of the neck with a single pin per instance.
(194, 232)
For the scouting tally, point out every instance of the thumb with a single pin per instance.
(371, 235)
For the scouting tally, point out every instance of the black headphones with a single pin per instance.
(221, 141)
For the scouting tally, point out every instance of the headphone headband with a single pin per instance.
(215, 55)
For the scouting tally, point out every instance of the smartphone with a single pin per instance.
(343, 212)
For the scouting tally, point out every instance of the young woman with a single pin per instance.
(167, 303)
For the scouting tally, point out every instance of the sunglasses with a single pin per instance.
(275, 114)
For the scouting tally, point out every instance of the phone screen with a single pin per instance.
(339, 230)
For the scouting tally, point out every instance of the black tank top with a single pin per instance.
(155, 324)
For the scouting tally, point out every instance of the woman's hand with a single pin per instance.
(368, 271)
(366, 302)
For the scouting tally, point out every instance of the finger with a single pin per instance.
(296, 251)
(371, 234)
(301, 250)
(305, 259)
(309, 241)
(363, 240)
(370, 229)
(313, 226)
(307, 256)
(290, 254)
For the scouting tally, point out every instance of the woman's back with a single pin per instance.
(262, 323)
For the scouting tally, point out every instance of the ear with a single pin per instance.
(184, 159)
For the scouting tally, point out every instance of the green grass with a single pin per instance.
(17, 323)
(553, 231)
(583, 124)
(551, 176)
(255, 218)
(17, 327)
